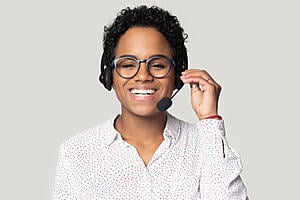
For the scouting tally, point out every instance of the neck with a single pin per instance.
(141, 129)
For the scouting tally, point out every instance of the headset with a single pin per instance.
(106, 74)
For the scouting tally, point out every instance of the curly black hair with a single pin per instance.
(143, 16)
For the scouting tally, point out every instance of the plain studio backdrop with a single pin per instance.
(50, 91)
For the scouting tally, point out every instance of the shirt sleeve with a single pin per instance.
(221, 165)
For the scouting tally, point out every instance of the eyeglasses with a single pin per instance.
(157, 66)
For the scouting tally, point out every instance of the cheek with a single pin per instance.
(116, 80)
(169, 82)
(116, 83)
(118, 88)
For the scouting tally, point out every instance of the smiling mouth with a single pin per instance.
(141, 92)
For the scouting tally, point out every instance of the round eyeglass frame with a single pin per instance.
(170, 61)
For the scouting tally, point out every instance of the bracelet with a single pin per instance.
(214, 117)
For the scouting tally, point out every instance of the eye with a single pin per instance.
(159, 64)
(126, 63)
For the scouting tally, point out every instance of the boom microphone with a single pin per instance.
(165, 102)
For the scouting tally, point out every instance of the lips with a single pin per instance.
(143, 92)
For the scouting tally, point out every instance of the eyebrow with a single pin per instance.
(133, 56)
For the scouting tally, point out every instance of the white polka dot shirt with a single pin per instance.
(193, 162)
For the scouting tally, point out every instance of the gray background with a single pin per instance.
(50, 91)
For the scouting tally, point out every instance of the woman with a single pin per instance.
(145, 152)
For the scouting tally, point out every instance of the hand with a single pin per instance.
(204, 92)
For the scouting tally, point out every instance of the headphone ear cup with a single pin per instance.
(178, 82)
(106, 78)
(106, 73)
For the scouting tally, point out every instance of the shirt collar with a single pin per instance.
(172, 130)
(110, 134)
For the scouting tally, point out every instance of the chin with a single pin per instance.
(143, 111)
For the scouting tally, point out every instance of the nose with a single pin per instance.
(143, 73)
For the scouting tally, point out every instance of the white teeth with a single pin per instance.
(142, 92)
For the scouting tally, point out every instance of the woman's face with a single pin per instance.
(140, 94)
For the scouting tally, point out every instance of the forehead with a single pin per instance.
(142, 42)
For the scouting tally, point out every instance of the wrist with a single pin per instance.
(215, 116)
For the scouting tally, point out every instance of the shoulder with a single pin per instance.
(94, 138)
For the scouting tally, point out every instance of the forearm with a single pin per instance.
(221, 165)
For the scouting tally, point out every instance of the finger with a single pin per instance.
(196, 79)
(197, 72)
(195, 87)
(204, 74)
(199, 84)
